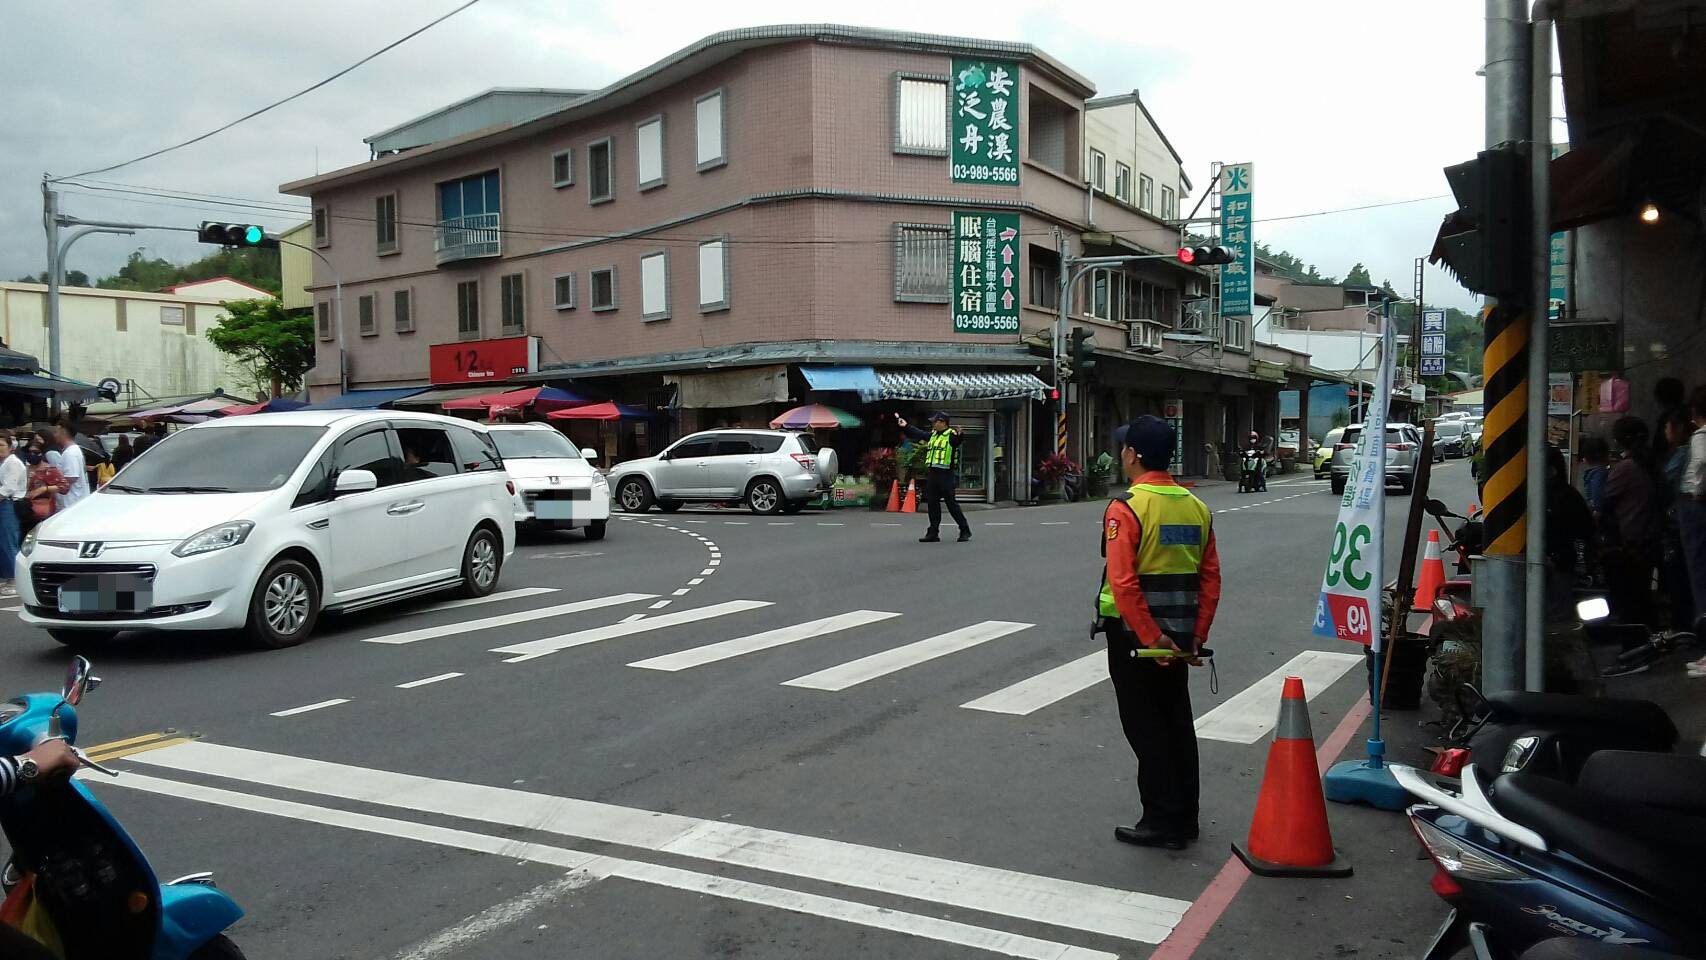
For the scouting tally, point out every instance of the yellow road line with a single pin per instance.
(140, 748)
(132, 740)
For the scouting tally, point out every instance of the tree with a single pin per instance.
(256, 267)
(1358, 277)
(73, 278)
(275, 345)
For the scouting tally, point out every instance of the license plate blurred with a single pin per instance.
(105, 593)
(553, 509)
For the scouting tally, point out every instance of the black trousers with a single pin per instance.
(939, 485)
(1155, 711)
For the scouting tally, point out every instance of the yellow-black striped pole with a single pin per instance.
(1504, 464)
(1060, 432)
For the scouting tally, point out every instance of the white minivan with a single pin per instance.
(260, 523)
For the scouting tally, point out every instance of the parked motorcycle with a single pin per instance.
(1617, 858)
(79, 880)
(1549, 734)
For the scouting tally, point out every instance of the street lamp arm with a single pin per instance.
(337, 309)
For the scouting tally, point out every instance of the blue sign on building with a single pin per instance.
(1433, 321)
(1237, 279)
(1433, 344)
(1433, 366)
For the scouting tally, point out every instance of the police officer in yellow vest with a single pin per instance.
(1159, 590)
(942, 476)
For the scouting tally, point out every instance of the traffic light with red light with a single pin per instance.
(236, 235)
(1206, 256)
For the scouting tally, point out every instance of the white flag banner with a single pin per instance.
(1349, 604)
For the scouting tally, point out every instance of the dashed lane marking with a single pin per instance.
(412, 684)
(306, 708)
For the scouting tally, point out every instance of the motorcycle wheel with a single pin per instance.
(219, 948)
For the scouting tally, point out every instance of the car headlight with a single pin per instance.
(600, 480)
(28, 545)
(215, 538)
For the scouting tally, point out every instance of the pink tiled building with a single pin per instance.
(744, 223)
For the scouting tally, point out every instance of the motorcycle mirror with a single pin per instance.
(78, 680)
(1436, 507)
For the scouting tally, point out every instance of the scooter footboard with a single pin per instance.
(191, 914)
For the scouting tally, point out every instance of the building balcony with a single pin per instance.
(467, 238)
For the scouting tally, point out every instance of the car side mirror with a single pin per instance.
(664, 455)
(355, 481)
(589, 453)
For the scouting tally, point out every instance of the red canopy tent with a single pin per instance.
(542, 399)
(595, 411)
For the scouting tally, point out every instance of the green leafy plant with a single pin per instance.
(275, 345)
(880, 465)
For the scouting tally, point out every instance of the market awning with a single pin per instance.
(745, 387)
(859, 379)
(597, 411)
(366, 399)
(433, 398)
(45, 386)
(207, 407)
(541, 399)
(942, 385)
(274, 405)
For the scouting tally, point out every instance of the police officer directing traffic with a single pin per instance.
(1160, 588)
(942, 457)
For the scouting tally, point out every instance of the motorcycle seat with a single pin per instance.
(1641, 719)
(1582, 948)
(1668, 781)
(1656, 851)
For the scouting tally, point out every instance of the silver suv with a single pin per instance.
(1403, 454)
(772, 471)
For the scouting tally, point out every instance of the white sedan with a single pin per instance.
(555, 484)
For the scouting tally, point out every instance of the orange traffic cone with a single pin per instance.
(894, 497)
(1289, 835)
(911, 504)
(1432, 577)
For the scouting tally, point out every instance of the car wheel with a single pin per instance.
(595, 530)
(83, 639)
(764, 496)
(285, 606)
(1338, 485)
(668, 506)
(482, 561)
(793, 506)
(634, 495)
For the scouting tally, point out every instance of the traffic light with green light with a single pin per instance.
(236, 235)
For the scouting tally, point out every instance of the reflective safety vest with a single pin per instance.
(1174, 528)
(939, 450)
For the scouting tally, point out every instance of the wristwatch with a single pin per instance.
(28, 769)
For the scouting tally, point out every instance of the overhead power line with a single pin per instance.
(277, 103)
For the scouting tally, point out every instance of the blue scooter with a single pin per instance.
(1616, 859)
(96, 887)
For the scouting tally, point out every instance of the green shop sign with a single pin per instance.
(986, 272)
(983, 131)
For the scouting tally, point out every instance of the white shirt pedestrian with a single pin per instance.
(1694, 474)
(14, 479)
(72, 466)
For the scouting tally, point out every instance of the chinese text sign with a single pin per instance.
(983, 128)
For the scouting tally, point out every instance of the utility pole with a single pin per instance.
(50, 222)
(1539, 312)
(1511, 461)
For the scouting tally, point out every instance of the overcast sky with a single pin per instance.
(1339, 104)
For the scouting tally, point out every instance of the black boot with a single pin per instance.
(930, 538)
(1148, 835)
(965, 535)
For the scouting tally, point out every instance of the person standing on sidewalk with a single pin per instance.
(14, 487)
(72, 465)
(1160, 589)
(942, 473)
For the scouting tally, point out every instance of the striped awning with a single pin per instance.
(942, 385)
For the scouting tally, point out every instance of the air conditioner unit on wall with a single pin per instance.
(1144, 336)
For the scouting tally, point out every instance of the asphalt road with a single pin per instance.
(895, 749)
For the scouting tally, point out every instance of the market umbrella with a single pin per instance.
(596, 411)
(275, 405)
(814, 416)
(543, 399)
(208, 407)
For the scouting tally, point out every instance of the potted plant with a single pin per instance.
(882, 466)
(1052, 471)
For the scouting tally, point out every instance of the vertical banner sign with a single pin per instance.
(983, 128)
(1433, 343)
(1173, 411)
(986, 272)
(1349, 605)
(1237, 283)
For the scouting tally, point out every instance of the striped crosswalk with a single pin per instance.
(1244, 717)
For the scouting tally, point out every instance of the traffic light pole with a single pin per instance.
(337, 311)
(1539, 312)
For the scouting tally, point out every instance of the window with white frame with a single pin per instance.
(921, 114)
(385, 223)
(323, 316)
(512, 304)
(602, 284)
(648, 149)
(654, 286)
(923, 258)
(713, 275)
(1122, 182)
(1169, 204)
(1146, 193)
(1098, 170)
(600, 171)
(366, 311)
(1235, 333)
(711, 148)
(563, 291)
(563, 169)
(403, 310)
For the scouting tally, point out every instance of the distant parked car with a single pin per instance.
(555, 484)
(1451, 440)
(773, 471)
(1403, 455)
(1324, 452)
